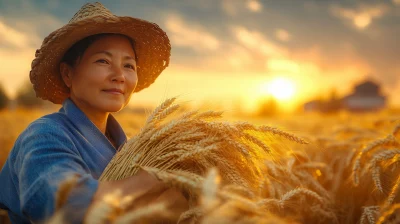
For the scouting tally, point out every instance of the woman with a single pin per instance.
(92, 66)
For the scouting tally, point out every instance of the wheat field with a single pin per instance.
(338, 168)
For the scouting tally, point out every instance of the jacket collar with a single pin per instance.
(89, 130)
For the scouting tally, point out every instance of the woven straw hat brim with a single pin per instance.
(152, 47)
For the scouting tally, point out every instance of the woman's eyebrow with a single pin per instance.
(110, 55)
(129, 58)
(104, 52)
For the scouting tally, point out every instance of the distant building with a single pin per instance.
(366, 96)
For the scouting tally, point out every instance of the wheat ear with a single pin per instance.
(276, 131)
(159, 110)
(165, 113)
(172, 179)
(388, 141)
(393, 192)
(369, 214)
(192, 214)
(302, 191)
(375, 168)
(208, 115)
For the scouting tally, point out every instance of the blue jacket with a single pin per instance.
(51, 148)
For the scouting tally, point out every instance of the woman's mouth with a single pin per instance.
(114, 91)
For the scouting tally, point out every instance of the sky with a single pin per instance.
(228, 52)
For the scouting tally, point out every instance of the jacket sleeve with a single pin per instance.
(47, 156)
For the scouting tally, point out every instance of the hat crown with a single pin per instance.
(91, 10)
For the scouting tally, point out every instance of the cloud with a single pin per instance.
(18, 44)
(257, 42)
(31, 18)
(15, 67)
(238, 57)
(361, 17)
(16, 53)
(254, 6)
(193, 36)
(11, 37)
(284, 65)
(233, 8)
(282, 35)
(230, 7)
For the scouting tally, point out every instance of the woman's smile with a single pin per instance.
(114, 91)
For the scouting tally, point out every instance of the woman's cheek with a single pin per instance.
(132, 81)
(98, 72)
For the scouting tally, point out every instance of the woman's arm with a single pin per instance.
(146, 189)
(138, 186)
(47, 156)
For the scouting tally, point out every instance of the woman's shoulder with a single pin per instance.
(48, 127)
(55, 122)
(43, 134)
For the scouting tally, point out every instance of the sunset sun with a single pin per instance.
(279, 88)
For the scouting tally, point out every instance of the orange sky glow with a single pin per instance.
(229, 54)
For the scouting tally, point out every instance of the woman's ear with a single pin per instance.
(66, 74)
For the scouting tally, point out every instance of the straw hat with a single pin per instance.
(152, 47)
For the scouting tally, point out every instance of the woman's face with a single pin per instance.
(105, 77)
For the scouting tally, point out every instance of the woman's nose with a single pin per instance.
(118, 75)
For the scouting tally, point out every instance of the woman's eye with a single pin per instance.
(102, 61)
(130, 66)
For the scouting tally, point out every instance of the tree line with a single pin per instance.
(25, 97)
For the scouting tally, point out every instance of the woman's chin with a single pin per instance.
(113, 107)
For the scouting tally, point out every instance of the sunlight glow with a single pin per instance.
(362, 20)
(279, 88)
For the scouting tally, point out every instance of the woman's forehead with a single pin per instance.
(112, 45)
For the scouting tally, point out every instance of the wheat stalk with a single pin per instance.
(369, 214)
(192, 214)
(393, 192)
(209, 190)
(276, 131)
(385, 155)
(386, 142)
(386, 215)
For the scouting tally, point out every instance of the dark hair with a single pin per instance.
(78, 49)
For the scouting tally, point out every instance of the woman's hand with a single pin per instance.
(145, 189)
(138, 186)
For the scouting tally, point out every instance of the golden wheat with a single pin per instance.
(243, 173)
